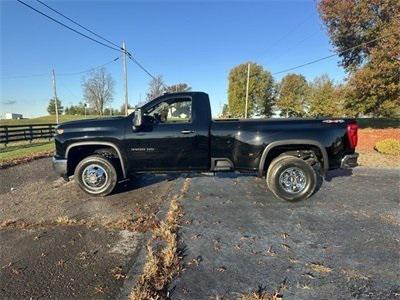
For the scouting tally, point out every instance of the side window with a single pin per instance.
(175, 110)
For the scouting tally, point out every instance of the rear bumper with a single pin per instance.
(60, 166)
(349, 161)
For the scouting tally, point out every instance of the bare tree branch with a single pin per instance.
(98, 89)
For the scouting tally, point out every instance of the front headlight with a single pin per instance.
(59, 131)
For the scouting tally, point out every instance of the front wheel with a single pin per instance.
(291, 178)
(96, 175)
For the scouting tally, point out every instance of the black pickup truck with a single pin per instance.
(175, 133)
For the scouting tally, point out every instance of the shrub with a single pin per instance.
(388, 146)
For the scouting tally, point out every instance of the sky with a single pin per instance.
(196, 42)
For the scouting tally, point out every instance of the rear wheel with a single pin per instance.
(96, 175)
(291, 178)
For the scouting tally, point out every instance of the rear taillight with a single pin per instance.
(352, 134)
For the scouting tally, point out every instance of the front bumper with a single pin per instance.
(60, 166)
(349, 161)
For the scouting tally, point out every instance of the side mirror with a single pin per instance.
(138, 118)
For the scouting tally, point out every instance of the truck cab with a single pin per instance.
(173, 134)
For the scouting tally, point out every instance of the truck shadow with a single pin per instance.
(147, 180)
(338, 173)
(331, 175)
(141, 181)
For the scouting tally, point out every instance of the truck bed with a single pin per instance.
(242, 141)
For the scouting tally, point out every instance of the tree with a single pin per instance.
(325, 98)
(75, 109)
(374, 89)
(179, 87)
(292, 95)
(51, 108)
(261, 92)
(109, 111)
(225, 114)
(98, 89)
(156, 88)
(374, 78)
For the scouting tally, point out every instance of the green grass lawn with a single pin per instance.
(24, 150)
(45, 119)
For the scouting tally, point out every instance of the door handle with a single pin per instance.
(187, 131)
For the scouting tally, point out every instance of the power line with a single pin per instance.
(291, 48)
(86, 36)
(288, 33)
(332, 55)
(68, 27)
(141, 66)
(62, 74)
(25, 76)
(76, 23)
(88, 70)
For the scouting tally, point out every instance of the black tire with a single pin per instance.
(100, 175)
(280, 173)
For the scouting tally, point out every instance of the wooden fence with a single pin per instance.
(15, 133)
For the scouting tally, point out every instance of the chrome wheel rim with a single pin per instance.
(94, 177)
(292, 180)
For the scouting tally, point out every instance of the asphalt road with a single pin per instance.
(58, 242)
(342, 243)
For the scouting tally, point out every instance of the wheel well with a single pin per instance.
(309, 153)
(77, 153)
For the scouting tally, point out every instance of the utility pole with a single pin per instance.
(55, 95)
(247, 90)
(125, 77)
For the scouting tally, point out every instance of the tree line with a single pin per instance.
(366, 36)
(292, 96)
(98, 94)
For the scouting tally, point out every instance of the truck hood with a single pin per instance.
(86, 123)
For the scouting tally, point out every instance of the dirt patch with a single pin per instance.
(378, 160)
(132, 207)
(369, 157)
(367, 138)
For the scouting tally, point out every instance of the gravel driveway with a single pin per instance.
(342, 243)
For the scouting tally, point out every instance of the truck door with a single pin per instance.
(169, 138)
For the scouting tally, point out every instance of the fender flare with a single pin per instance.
(325, 163)
(112, 145)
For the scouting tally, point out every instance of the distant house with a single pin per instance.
(12, 116)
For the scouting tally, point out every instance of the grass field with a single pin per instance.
(24, 150)
(21, 151)
(45, 119)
